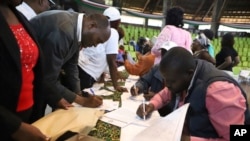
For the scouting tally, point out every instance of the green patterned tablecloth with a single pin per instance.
(106, 131)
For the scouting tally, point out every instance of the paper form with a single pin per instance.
(168, 128)
(122, 115)
(108, 105)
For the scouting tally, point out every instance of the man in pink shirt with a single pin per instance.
(173, 31)
(216, 100)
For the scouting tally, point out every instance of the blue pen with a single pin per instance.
(92, 91)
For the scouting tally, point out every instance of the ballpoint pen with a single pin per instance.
(135, 89)
(143, 108)
(92, 91)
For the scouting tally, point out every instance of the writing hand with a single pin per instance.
(134, 91)
(149, 108)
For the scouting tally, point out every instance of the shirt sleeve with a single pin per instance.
(162, 98)
(112, 43)
(163, 37)
(226, 106)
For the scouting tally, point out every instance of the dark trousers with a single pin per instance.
(86, 81)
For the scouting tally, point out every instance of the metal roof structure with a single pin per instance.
(224, 11)
(232, 13)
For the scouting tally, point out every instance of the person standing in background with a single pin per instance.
(173, 31)
(227, 57)
(21, 75)
(210, 35)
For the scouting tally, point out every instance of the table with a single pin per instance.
(114, 133)
(111, 132)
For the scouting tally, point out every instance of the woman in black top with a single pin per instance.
(228, 57)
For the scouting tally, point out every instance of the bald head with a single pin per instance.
(178, 59)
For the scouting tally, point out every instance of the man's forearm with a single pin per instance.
(113, 75)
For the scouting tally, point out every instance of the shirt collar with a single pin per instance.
(79, 26)
(26, 10)
(192, 80)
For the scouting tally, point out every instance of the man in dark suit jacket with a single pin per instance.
(61, 34)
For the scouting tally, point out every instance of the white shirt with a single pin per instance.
(93, 59)
(26, 10)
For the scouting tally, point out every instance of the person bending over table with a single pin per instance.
(153, 82)
(216, 100)
(61, 35)
(93, 61)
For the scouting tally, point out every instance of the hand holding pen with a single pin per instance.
(145, 110)
(134, 90)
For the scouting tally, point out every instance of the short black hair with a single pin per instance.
(101, 20)
(177, 58)
(175, 16)
(227, 40)
(141, 40)
(209, 34)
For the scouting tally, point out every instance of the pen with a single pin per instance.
(135, 89)
(92, 91)
(144, 110)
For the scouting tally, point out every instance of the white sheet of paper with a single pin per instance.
(244, 73)
(103, 92)
(130, 131)
(123, 115)
(107, 104)
(99, 92)
(168, 128)
(114, 122)
(137, 98)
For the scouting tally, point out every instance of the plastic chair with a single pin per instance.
(236, 70)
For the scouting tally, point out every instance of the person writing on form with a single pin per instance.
(61, 35)
(216, 99)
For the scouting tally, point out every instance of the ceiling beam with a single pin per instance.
(199, 9)
(219, 6)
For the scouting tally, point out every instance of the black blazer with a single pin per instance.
(11, 76)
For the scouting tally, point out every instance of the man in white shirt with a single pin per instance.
(93, 61)
(30, 8)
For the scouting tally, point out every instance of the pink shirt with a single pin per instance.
(171, 33)
(225, 105)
